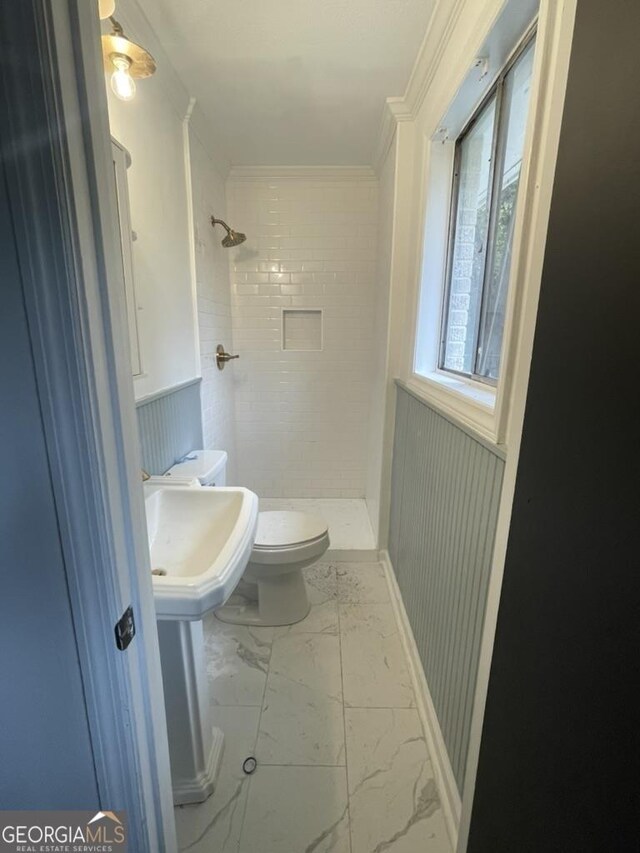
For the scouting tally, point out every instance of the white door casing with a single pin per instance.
(60, 187)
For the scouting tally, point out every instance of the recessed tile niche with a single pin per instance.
(301, 329)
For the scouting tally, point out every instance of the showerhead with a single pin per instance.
(233, 238)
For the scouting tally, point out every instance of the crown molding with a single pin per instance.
(316, 173)
(395, 110)
(443, 21)
(405, 108)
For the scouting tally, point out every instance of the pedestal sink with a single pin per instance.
(200, 539)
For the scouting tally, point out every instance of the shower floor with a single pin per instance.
(348, 519)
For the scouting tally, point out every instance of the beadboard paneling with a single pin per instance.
(169, 426)
(445, 495)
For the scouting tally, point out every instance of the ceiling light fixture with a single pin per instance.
(126, 61)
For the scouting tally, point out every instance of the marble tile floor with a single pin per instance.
(327, 708)
(347, 518)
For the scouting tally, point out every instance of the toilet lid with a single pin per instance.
(288, 528)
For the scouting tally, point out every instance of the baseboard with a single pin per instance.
(447, 787)
(200, 789)
(355, 555)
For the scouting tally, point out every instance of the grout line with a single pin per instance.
(326, 766)
(344, 719)
(380, 708)
(339, 604)
(255, 743)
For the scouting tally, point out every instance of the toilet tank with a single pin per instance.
(208, 466)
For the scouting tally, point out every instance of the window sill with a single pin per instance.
(470, 403)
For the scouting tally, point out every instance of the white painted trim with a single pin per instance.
(394, 111)
(445, 780)
(406, 106)
(384, 139)
(164, 392)
(316, 173)
(122, 162)
(70, 363)
(200, 128)
(555, 34)
(489, 421)
(199, 125)
(498, 450)
(396, 330)
(191, 229)
(555, 26)
(457, 404)
(439, 31)
(65, 219)
(111, 415)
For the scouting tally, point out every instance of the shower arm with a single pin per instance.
(215, 222)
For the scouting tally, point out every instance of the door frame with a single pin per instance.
(56, 148)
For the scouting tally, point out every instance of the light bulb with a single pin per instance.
(122, 84)
(106, 8)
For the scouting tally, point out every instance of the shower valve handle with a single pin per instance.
(223, 357)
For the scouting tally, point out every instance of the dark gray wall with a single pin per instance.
(45, 753)
(169, 426)
(558, 764)
(444, 505)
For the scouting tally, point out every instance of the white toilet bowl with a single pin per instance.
(272, 591)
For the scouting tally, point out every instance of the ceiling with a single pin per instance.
(292, 82)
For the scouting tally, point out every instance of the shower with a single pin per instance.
(233, 238)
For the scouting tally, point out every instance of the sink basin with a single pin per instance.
(200, 540)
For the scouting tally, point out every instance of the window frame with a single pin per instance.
(496, 90)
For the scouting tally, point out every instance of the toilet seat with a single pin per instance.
(285, 537)
(288, 528)
(273, 591)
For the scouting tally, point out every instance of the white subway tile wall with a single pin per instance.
(214, 305)
(302, 417)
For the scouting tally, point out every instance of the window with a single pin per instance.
(487, 163)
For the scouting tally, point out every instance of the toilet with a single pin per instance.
(272, 590)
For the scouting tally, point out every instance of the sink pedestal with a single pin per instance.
(200, 540)
(195, 746)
